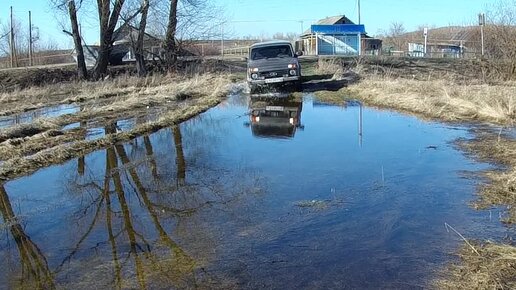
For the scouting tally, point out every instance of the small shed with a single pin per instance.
(338, 35)
(126, 36)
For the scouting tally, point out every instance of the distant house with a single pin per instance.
(124, 40)
(126, 37)
(338, 35)
(441, 50)
(451, 41)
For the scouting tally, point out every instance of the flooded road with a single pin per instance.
(252, 194)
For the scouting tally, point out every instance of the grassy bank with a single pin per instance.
(456, 94)
(493, 267)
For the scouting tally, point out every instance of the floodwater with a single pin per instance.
(251, 194)
(30, 116)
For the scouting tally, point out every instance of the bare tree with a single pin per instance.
(136, 32)
(82, 71)
(394, 36)
(107, 22)
(139, 51)
(282, 36)
(500, 39)
(69, 8)
(194, 20)
(170, 39)
(20, 38)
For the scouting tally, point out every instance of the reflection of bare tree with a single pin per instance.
(180, 156)
(131, 233)
(183, 261)
(35, 270)
(81, 161)
(144, 259)
(110, 164)
(150, 155)
(131, 221)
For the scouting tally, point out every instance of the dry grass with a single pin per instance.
(501, 188)
(83, 92)
(493, 268)
(439, 99)
(28, 129)
(330, 66)
(442, 99)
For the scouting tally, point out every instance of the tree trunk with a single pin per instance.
(108, 21)
(82, 71)
(139, 51)
(170, 39)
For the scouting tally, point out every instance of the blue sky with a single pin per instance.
(265, 17)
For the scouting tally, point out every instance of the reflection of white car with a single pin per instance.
(276, 118)
(272, 63)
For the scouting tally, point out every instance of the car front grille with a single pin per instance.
(274, 74)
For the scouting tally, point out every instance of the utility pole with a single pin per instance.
(222, 40)
(482, 23)
(425, 33)
(359, 15)
(12, 43)
(31, 60)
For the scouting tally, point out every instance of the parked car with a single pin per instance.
(273, 62)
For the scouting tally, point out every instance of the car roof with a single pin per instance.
(270, 43)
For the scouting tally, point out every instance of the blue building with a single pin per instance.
(338, 35)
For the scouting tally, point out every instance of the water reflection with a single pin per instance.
(275, 117)
(206, 204)
(34, 271)
(124, 227)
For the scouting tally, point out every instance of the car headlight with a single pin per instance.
(254, 70)
(292, 66)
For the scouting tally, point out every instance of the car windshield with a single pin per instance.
(277, 51)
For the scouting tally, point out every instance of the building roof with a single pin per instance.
(128, 33)
(333, 20)
(453, 34)
(339, 19)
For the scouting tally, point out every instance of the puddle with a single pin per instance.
(259, 194)
(48, 112)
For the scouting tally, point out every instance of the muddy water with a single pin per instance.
(282, 195)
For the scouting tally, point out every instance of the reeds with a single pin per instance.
(494, 267)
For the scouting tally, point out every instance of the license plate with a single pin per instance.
(274, 80)
(274, 108)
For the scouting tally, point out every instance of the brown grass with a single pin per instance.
(494, 268)
(501, 188)
(438, 99)
(441, 99)
(330, 66)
